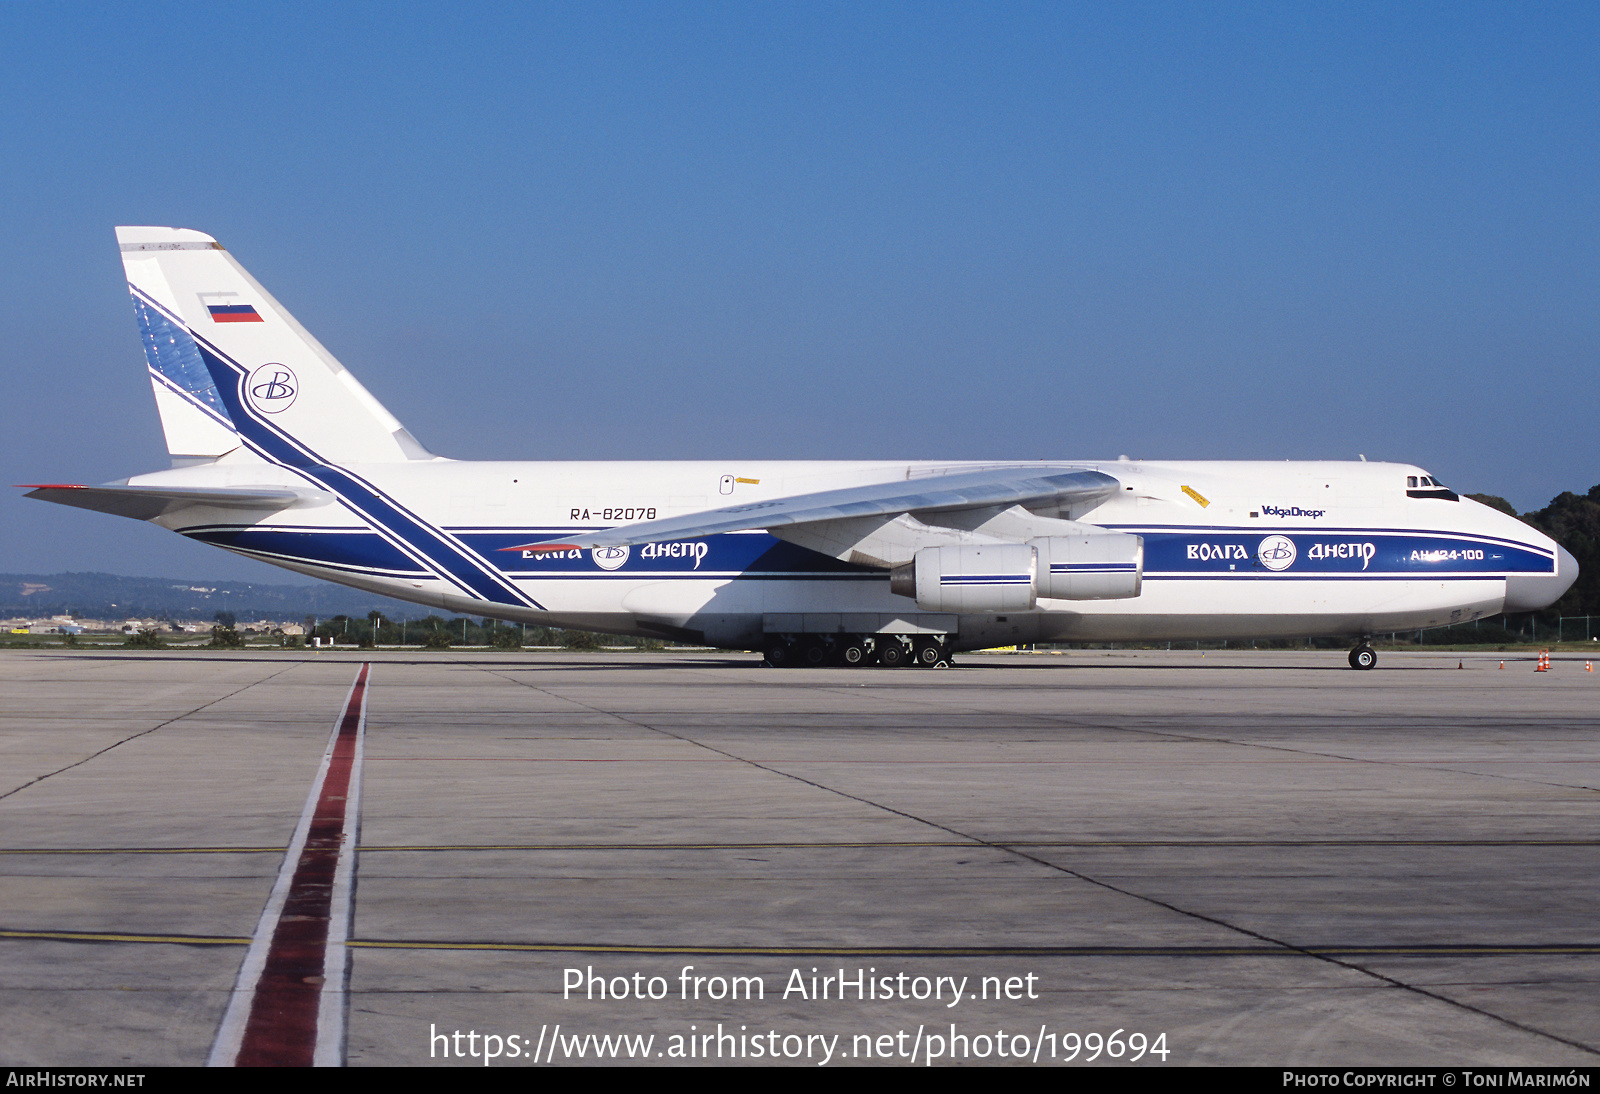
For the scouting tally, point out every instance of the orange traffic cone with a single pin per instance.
(1502, 664)
(1544, 661)
(1461, 664)
(1588, 666)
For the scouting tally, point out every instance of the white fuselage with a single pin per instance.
(1230, 549)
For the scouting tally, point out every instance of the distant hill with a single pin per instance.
(112, 596)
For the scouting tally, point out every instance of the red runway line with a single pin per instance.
(288, 998)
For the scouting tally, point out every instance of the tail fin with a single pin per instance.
(231, 367)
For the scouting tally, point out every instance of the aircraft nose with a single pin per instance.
(1530, 592)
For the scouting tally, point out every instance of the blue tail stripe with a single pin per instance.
(447, 558)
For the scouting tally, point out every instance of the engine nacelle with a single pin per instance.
(988, 578)
(1010, 577)
(1098, 566)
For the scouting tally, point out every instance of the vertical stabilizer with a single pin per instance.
(231, 367)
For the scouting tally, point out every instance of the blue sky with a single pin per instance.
(630, 231)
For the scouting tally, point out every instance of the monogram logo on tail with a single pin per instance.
(272, 388)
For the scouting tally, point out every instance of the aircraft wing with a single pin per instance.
(1003, 486)
(147, 502)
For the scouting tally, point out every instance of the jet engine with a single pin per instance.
(1011, 577)
(1098, 566)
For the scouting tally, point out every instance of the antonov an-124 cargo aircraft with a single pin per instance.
(279, 454)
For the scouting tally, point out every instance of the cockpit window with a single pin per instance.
(1426, 486)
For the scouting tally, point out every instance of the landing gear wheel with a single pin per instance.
(853, 654)
(928, 653)
(779, 654)
(891, 654)
(1363, 657)
(814, 653)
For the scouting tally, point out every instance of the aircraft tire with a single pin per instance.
(853, 653)
(779, 654)
(1363, 657)
(813, 653)
(891, 653)
(928, 654)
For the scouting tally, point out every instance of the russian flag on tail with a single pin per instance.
(233, 313)
(226, 308)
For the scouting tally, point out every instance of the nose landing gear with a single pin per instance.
(1363, 656)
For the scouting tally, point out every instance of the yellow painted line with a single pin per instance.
(114, 936)
(1454, 951)
(1536, 949)
(1195, 494)
(378, 849)
(802, 951)
(752, 482)
(1262, 950)
(1069, 845)
(965, 845)
(141, 850)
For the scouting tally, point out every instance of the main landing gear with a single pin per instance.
(1363, 656)
(889, 651)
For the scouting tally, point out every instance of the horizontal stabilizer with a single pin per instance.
(149, 502)
(1004, 486)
